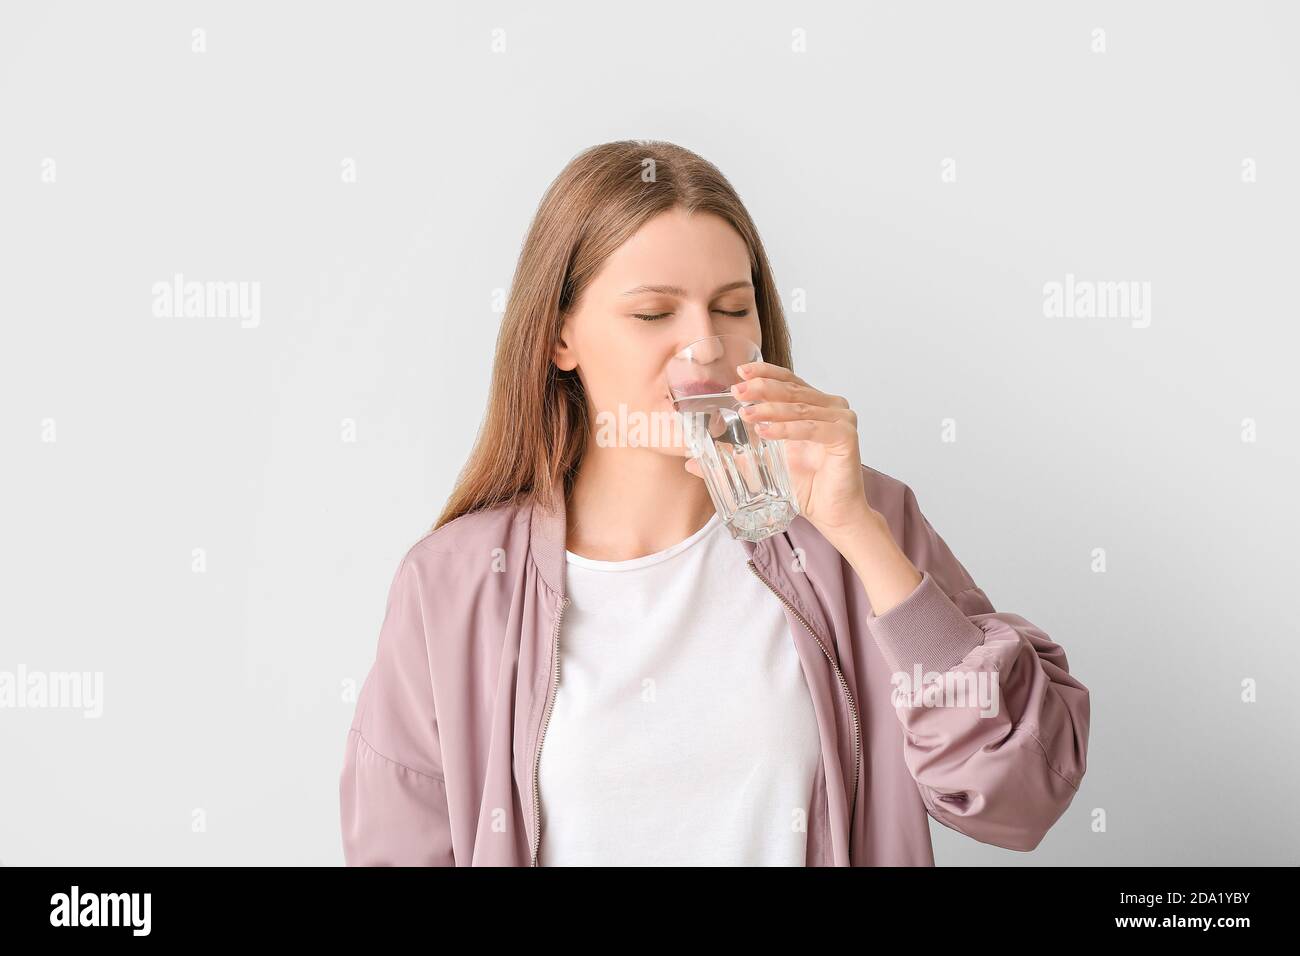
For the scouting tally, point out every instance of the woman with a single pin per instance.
(579, 665)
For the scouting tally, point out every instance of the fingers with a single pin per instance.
(797, 411)
(785, 390)
(768, 370)
(824, 432)
(782, 405)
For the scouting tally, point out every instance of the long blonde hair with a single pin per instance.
(536, 426)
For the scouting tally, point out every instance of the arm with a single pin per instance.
(392, 795)
(1001, 774)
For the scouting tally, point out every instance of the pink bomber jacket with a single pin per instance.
(440, 764)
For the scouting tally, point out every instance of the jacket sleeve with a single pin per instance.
(392, 794)
(1001, 768)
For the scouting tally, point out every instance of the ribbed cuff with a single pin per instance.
(925, 628)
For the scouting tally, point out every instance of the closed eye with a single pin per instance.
(663, 315)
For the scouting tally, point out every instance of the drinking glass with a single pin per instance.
(746, 474)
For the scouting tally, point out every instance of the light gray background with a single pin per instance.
(224, 690)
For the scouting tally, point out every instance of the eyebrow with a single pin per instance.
(681, 293)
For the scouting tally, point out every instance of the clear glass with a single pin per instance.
(746, 473)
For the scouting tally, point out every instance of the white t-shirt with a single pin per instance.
(682, 730)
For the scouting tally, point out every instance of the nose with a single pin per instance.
(708, 351)
(702, 327)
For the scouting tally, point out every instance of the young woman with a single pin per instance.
(579, 665)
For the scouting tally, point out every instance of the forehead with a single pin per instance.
(698, 252)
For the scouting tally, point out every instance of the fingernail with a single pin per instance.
(738, 388)
(742, 369)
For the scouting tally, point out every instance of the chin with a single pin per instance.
(671, 452)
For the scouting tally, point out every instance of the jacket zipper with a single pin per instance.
(853, 709)
(550, 703)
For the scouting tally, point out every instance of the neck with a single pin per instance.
(630, 502)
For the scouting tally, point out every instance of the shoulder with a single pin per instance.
(461, 563)
(897, 502)
(913, 532)
(888, 495)
(891, 496)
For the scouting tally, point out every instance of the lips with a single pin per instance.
(688, 389)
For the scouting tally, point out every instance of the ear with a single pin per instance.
(563, 355)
